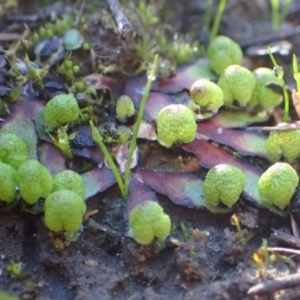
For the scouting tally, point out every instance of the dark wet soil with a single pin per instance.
(203, 259)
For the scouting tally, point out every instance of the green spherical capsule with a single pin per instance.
(86, 46)
(224, 183)
(207, 94)
(69, 180)
(283, 144)
(8, 186)
(60, 110)
(175, 124)
(13, 150)
(34, 181)
(223, 52)
(237, 84)
(76, 69)
(68, 64)
(124, 134)
(147, 221)
(64, 211)
(42, 32)
(69, 74)
(183, 52)
(79, 85)
(49, 32)
(277, 184)
(263, 96)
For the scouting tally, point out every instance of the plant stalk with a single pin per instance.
(216, 24)
(124, 184)
(280, 74)
(97, 137)
(132, 144)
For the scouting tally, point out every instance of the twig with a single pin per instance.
(271, 37)
(124, 26)
(82, 6)
(295, 227)
(274, 285)
(296, 102)
(295, 126)
(8, 37)
(284, 250)
(287, 238)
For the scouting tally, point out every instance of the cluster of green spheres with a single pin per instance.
(241, 87)
(64, 194)
(276, 186)
(147, 221)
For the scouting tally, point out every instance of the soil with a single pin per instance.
(204, 258)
